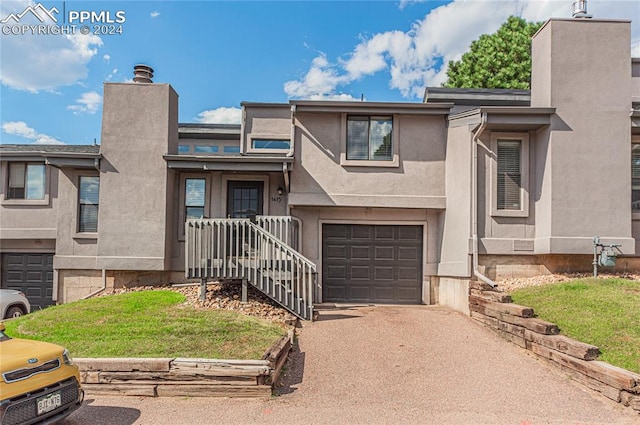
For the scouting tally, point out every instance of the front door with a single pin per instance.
(244, 199)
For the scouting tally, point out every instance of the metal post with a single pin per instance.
(245, 288)
(203, 289)
(596, 240)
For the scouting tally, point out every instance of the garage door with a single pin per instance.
(31, 274)
(372, 264)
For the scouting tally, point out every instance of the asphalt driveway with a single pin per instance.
(389, 365)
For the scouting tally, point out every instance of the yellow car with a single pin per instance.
(40, 384)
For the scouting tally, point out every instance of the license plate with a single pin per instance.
(49, 402)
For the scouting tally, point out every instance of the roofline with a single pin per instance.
(372, 107)
(505, 110)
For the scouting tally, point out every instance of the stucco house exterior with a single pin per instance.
(385, 202)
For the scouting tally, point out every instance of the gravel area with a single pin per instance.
(223, 296)
(512, 284)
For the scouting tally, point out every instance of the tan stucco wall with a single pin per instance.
(318, 177)
(29, 219)
(581, 67)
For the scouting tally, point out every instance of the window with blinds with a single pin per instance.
(509, 175)
(369, 138)
(635, 177)
(26, 180)
(89, 195)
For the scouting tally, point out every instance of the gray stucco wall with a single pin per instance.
(139, 126)
(581, 67)
(456, 220)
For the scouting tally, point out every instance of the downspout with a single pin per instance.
(104, 286)
(474, 201)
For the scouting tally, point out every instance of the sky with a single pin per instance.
(217, 54)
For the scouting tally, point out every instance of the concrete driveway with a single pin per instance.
(389, 365)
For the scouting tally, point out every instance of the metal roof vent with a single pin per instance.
(142, 74)
(580, 9)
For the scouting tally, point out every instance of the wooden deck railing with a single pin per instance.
(240, 249)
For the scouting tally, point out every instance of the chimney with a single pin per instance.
(580, 9)
(142, 74)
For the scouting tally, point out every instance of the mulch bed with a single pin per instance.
(512, 284)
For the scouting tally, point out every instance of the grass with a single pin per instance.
(147, 324)
(602, 312)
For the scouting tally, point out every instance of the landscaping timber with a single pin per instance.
(533, 324)
(186, 377)
(576, 359)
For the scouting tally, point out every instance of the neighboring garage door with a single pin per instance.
(31, 274)
(372, 264)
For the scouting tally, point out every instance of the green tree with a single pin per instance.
(499, 60)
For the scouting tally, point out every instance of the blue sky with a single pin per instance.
(217, 54)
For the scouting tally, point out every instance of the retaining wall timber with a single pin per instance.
(168, 377)
(517, 324)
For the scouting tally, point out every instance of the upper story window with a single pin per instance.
(635, 177)
(88, 202)
(194, 198)
(510, 174)
(26, 180)
(271, 144)
(369, 138)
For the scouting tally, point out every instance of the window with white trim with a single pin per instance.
(510, 174)
(369, 138)
(26, 180)
(635, 177)
(88, 203)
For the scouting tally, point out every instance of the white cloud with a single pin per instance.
(43, 62)
(107, 58)
(111, 74)
(21, 129)
(88, 102)
(418, 56)
(155, 14)
(320, 81)
(220, 115)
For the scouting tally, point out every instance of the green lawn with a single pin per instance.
(147, 324)
(602, 312)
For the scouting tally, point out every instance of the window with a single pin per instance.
(194, 198)
(231, 149)
(509, 175)
(89, 195)
(26, 180)
(184, 149)
(205, 149)
(509, 161)
(635, 177)
(270, 144)
(369, 138)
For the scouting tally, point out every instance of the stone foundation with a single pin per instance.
(74, 285)
(498, 267)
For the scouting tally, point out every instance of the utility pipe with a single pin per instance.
(474, 201)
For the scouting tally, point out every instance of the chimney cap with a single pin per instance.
(580, 9)
(142, 73)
